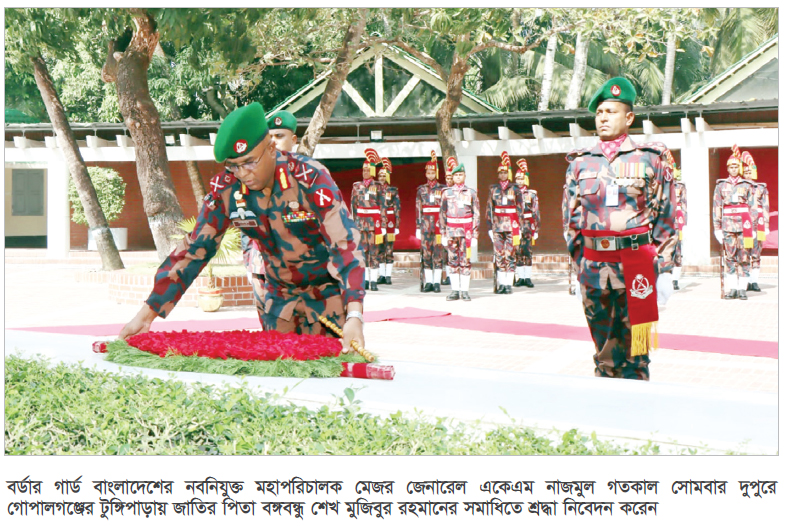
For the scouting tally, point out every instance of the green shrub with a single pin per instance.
(110, 188)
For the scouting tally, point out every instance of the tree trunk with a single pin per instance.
(128, 68)
(106, 247)
(578, 72)
(341, 68)
(549, 70)
(670, 60)
(444, 115)
(196, 182)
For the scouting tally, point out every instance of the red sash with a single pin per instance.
(501, 211)
(466, 223)
(760, 226)
(433, 211)
(680, 220)
(390, 224)
(744, 214)
(531, 220)
(640, 282)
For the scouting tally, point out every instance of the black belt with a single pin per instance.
(609, 243)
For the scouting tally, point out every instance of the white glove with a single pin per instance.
(665, 287)
(444, 241)
(491, 235)
(577, 291)
(397, 231)
(383, 231)
(250, 277)
(767, 231)
(535, 235)
(719, 236)
(417, 234)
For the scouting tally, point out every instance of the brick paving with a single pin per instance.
(49, 295)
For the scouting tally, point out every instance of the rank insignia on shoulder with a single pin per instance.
(284, 182)
(572, 155)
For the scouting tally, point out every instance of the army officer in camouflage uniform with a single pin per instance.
(292, 208)
(618, 221)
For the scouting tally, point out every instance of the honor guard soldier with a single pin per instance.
(448, 179)
(681, 218)
(291, 207)
(530, 227)
(429, 196)
(459, 218)
(392, 203)
(504, 220)
(731, 219)
(618, 221)
(281, 127)
(760, 218)
(369, 211)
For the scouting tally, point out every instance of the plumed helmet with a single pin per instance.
(505, 164)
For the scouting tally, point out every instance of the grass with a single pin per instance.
(70, 410)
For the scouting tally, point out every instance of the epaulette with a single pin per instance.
(301, 170)
(760, 184)
(657, 147)
(576, 153)
(219, 183)
(721, 181)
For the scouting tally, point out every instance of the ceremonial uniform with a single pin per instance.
(530, 229)
(504, 219)
(392, 204)
(313, 264)
(760, 218)
(429, 197)
(618, 222)
(681, 220)
(369, 212)
(731, 214)
(459, 218)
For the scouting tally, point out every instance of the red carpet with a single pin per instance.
(433, 318)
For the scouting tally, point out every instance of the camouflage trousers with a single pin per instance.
(370, 249)
(504, 251)
(678, 252)
(608, 320)
(431, 251)
(735, 254)
(298, 322)
(524, 252)
(387, 252)
(756, 254)
(457, 256)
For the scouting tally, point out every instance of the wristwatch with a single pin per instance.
(355, 314)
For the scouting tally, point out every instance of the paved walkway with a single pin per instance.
(694, 398)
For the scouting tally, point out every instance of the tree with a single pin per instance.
(29, 32)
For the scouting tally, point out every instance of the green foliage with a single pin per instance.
(110, 188)
(71, 410)
(230, 246)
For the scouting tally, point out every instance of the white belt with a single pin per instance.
(504, 210)
(368, 211)
(459, 220)
(390, 212)
(735, 209)
(678, 208)
(528, 215)
(430, 209)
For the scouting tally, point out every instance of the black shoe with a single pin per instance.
(742, 295)
(508, 290)
(373, 286)
(749, 286)
(676, 285)
(453, 296)
(465, 296)
(518, 282)
(388, 280)
(755, 287)
(428, 287)
(381, 280)
(731, 295)
(501, 289)
(528, 283)
(437, 287)
(446, 280)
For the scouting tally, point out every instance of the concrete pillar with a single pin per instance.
(58, 209)
(471, 164)
(695, 175)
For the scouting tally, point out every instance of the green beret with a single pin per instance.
(618, 89)
(283, 120)
(459, 168)
(241, 131)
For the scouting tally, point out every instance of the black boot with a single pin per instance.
(518, 282)
(373, 286)
(676, 285)
(465, 296)
(381, 280)
(755, 287)
(366, 284)
(428, 287)
(741, 294)
(528, 283)
(731, 295)
(501, 289)
(508, 290)
(437, 287)
(388, 280)
(446, 280)
(453, 296)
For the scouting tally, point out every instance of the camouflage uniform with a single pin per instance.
(459, 219)
(255, 267)
(760, 217)
(428, 203)
(314, 265)
(645, 199)
(500, 203)
(392, 204)
(532, 220)
(681, 221)
(731, 200)
(369, 212)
